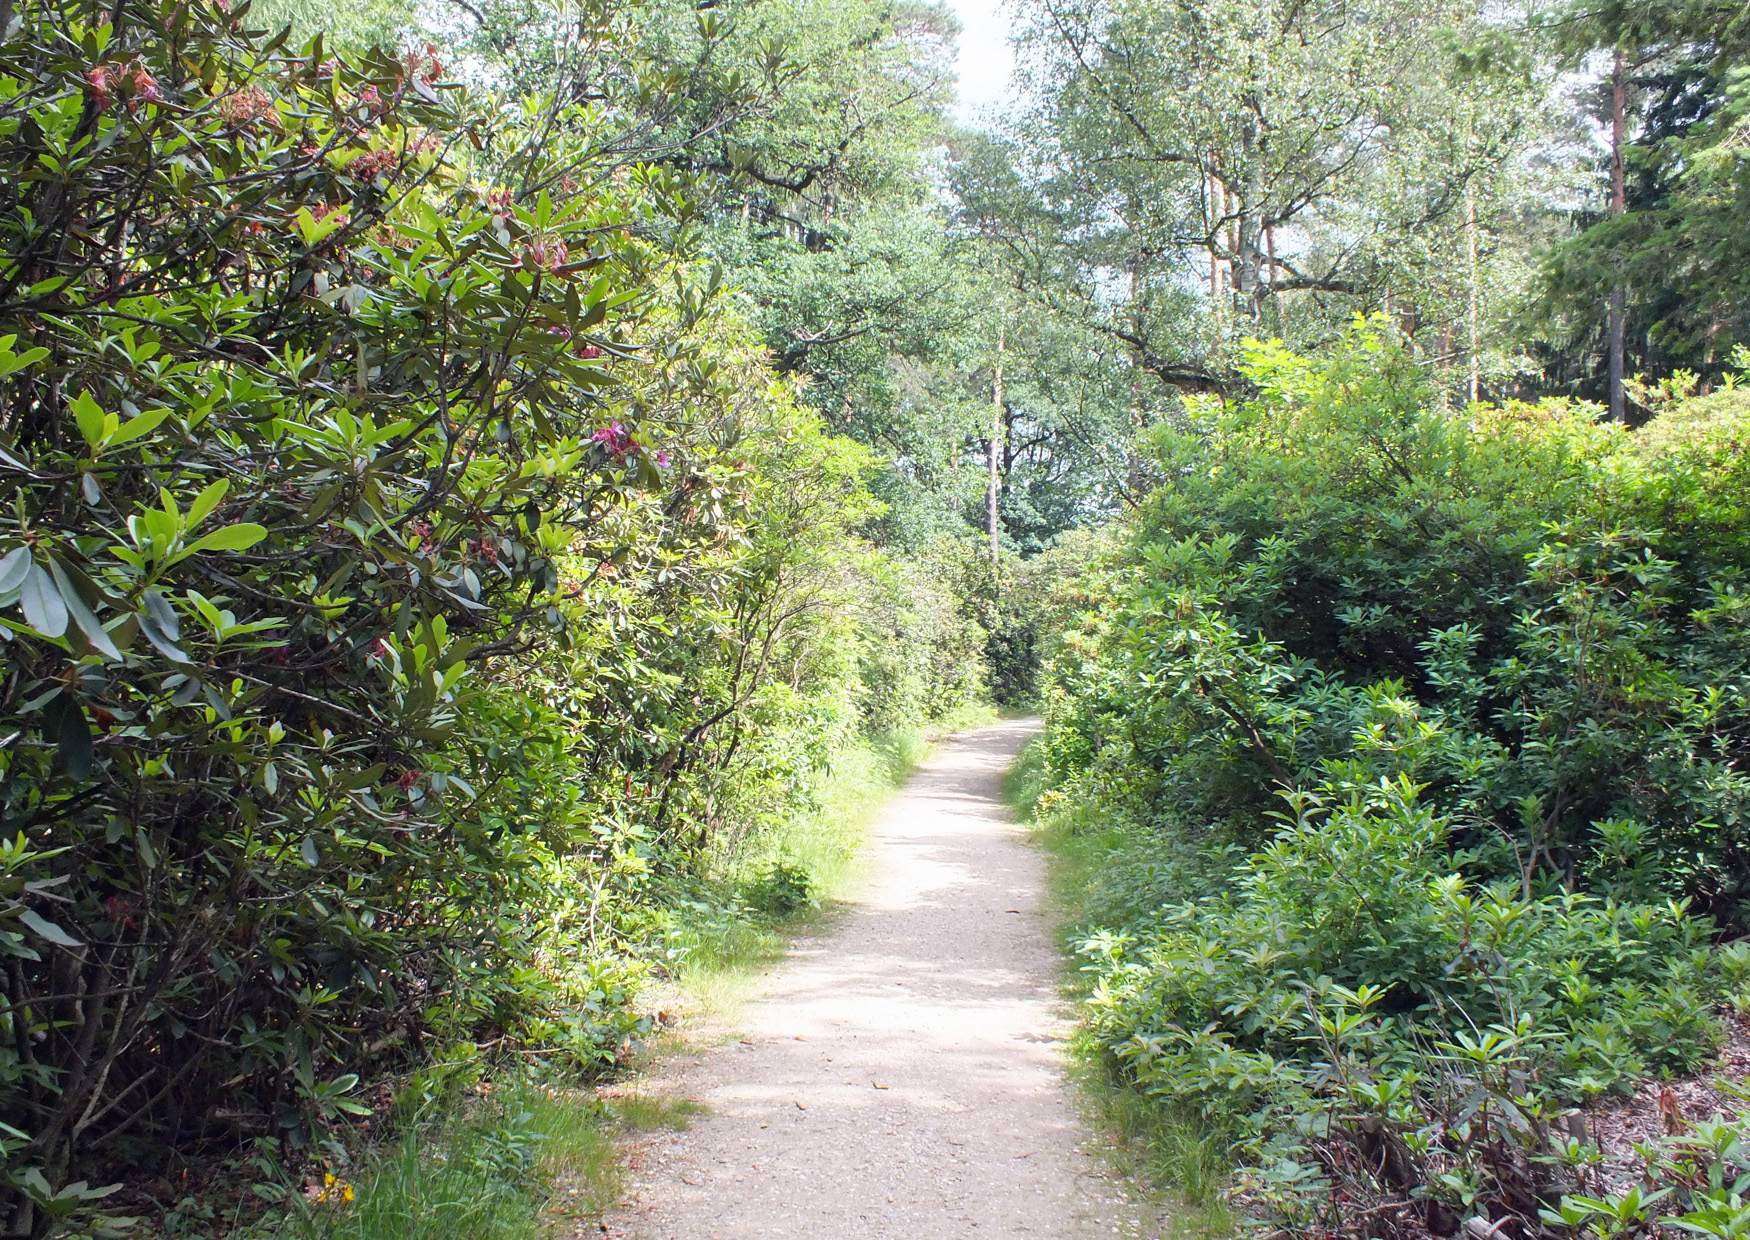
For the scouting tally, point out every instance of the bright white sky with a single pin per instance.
(985, 60)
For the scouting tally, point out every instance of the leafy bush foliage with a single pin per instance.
(1430, 725)
(323, 390)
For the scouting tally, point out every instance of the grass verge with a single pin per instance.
(490, 1167)
(1172, 1160)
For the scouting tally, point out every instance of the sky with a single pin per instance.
(985, 59)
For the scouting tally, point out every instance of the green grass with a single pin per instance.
(637, 1111)
(1024, 781)
(1171, 1158)
(493, 1168)
(519, 1164)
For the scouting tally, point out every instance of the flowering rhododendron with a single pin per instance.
(373, 163)
(132, 79)
(329, 571)
(545, 255)
(423, 64)
(615, 438)
(145, 85)
(242, 108)
(98, 76)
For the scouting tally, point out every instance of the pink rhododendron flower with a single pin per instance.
(99, 78)
(372, 164)
(242, 108)
(145, 85)
(615, 438)
(545, 255)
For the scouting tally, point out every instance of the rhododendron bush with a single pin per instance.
(398, 534)
(1412, 743)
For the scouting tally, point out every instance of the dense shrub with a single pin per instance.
(323, 390)
(928, 655)
(1435, 722)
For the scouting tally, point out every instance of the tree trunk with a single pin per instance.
(1475, 291)
(1275, 275)
(1214, 250)
(1133, 467)
(1217, 226)
(996, 448)
(1618, 204)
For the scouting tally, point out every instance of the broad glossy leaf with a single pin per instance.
(90, 418)
(239, 537)
(89, 626)
(43, 928)
(72, 735)
(41, 600)
(14, 566)
(206, 501)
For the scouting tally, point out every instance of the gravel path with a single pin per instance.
(901, 1074)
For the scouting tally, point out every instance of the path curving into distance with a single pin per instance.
(901, 1074)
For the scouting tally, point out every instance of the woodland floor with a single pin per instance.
(901, 1073)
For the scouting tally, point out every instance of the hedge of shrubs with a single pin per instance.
(1423, 731)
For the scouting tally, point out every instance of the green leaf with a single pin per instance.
(239, 537)
(17, 362)
(89, 625)
(46, 929)
(206, 501)
(133, 428)
(163, 614)
(66, 719)
(314, 230)
(161, 641)
(43, 609)
(90, 417)
(15, 566)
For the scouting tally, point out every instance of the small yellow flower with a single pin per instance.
(332, 1190)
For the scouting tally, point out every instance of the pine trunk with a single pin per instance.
(996, 448)
(1617, 325)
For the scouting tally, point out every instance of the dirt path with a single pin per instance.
(901, 1074)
